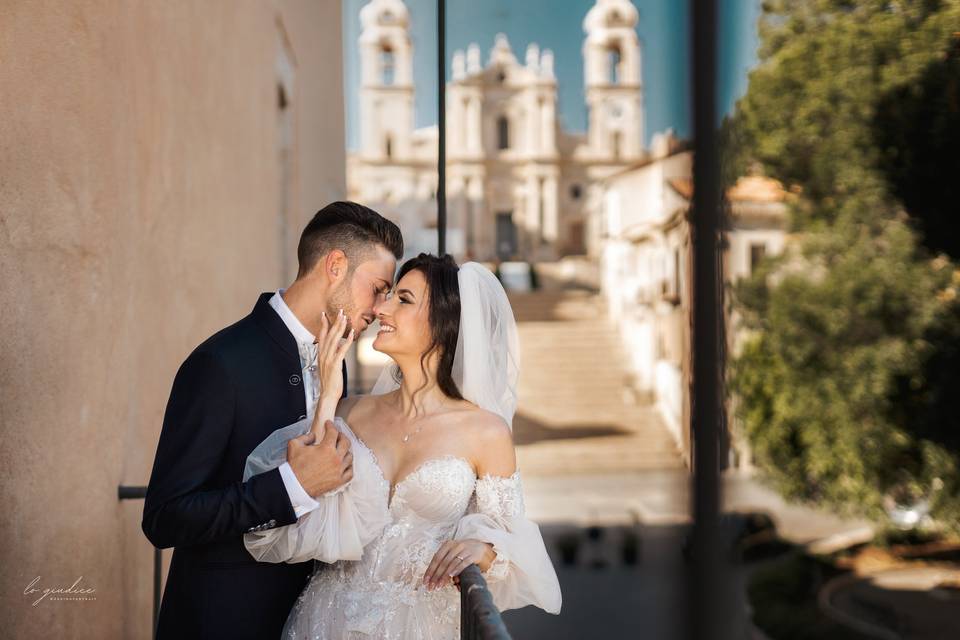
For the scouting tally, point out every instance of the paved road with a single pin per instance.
(605, 598)
(905, 601)
(662, 497)
(599, 514)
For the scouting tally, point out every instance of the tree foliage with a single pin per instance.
(848, 381)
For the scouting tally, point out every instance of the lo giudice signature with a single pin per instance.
(73, 592)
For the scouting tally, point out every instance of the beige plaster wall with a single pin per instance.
(139, 191)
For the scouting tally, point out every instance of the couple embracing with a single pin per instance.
(298, 511)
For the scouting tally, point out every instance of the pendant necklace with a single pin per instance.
(407, 436)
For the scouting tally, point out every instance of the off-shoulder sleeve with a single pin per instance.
(522, 574)
(345, 520)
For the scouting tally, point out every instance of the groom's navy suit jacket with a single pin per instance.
(235, 389)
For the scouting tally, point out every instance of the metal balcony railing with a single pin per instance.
(139, 493)
(479, 617)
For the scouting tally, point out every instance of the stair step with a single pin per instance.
(574, 380)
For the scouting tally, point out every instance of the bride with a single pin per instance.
(435, 486)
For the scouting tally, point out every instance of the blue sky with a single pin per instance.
(557, 24)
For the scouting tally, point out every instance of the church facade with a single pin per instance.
(519, 187)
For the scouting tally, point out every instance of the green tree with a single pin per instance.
(917, 128)
(846, 379)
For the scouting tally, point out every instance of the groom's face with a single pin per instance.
(369, 284)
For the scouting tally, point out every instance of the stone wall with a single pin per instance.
(144, 204)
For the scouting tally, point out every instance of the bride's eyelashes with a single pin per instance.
(404, 299)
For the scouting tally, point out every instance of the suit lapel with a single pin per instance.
(270, 321)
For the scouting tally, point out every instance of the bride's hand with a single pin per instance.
(454, 556)
(331, 350)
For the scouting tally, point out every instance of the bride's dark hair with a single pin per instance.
(443, 286)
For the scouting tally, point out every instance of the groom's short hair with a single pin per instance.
(350, 227)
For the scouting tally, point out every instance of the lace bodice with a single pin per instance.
(376, 590)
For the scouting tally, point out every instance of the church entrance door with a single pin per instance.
(506, 236)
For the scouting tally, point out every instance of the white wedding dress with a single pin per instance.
(379, 542)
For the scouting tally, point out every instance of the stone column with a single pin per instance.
(547, 119)
(477, 217)
(532, 125)
(473, 126)
(531, 225)
(550, 212)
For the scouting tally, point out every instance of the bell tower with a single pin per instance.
(386, 85)
(611, 57)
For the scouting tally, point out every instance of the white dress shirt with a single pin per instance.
(299, 498)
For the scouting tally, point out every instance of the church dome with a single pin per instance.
(385, 13)
(610, 14)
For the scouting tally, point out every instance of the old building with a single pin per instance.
(519, 186)
(646, 273)
(159, 162)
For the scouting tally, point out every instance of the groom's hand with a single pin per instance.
(321, 466)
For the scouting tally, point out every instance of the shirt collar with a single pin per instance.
(300, 333)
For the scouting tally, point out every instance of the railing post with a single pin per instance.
(479, 617)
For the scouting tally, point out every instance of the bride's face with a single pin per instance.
(405, 318)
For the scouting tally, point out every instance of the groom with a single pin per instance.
(233, 391)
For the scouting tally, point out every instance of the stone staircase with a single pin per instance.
(576, 413)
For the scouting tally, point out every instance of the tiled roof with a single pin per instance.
(756, 189)
(747, 189)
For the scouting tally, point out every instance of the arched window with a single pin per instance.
(503, 133)
(389, 147)
(387, 65)
(613, 64)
